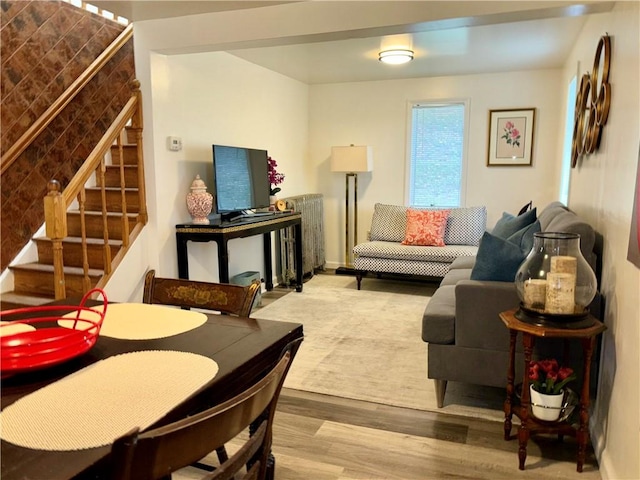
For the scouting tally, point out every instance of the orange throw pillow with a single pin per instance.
(425, 227)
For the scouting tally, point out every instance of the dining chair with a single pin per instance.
(155, 454)
(222, 297)
(225, 298)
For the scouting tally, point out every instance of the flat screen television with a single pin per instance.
(241, 179)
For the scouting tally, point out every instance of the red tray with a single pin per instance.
(45, 346)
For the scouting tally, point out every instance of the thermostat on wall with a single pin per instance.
(174, 144)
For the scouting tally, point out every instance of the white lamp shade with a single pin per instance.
(356, 158)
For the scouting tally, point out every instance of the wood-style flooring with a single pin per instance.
(321, 437)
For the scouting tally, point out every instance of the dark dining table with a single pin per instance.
(244, 349)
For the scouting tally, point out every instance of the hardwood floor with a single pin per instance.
(322, 437)
(329, 438)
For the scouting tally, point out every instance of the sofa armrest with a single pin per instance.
(478, 304)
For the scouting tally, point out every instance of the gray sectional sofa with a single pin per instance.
(384, 252)
(467, 341)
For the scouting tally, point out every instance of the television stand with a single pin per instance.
(240, 216)
(240, 227)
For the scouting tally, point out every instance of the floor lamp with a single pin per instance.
(351, 160)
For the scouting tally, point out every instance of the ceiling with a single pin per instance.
(521, 42)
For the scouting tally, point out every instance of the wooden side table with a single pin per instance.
(528, 423)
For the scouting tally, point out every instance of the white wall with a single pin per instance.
(602, 190)
(207, 98)
(218, 98)
(376, 114)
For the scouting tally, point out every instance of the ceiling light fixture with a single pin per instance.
(396, 56)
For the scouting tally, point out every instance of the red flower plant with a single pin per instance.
(548, 377)
(275, 178)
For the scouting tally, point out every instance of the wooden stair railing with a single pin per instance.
(67, 96)
(57, 203)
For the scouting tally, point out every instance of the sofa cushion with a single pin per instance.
(453, 276)
(397, 251)
(465, 225)
(569, 222)
(438, 321)
(549, 213)
(498, 259)
(425, 227)
(510, 224)
(406, 267)
(463, 262)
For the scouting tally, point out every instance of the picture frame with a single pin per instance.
(511, 137)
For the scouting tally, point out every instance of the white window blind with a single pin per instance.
(436, 156)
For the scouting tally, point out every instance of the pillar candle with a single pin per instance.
(535, 291)
(564, 264)
(560, 295)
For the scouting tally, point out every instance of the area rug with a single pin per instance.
(366, 345)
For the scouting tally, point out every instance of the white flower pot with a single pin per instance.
(546, 407)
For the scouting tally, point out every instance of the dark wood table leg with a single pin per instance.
(528, 341)
(582, 435)
(268, 263)
(223, 261)
(508, 403)
(183, 257)
(299, 266)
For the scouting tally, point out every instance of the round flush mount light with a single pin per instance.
(396, 56)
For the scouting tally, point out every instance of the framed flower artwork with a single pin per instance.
(511, 137)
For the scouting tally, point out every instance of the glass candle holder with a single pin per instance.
(555, 280)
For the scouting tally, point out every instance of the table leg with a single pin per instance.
(528, 341)
(183, 257)
(299, 266)
(582, 435)
(508, 403)
(268, 264)
(223, 261)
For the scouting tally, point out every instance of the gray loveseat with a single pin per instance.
(467, 341)
(384, 252)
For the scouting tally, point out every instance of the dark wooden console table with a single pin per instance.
(528, 423)
(245, 227)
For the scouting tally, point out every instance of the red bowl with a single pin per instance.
(45, 345)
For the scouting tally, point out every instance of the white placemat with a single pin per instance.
(103, 401)
(9, 328)
(141, 321)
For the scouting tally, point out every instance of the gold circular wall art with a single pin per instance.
(593, 100)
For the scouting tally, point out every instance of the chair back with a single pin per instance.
(222, 297)
(157, 453)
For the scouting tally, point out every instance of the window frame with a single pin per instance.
(465, 146)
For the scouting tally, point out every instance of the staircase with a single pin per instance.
(34, 282)
(84, 140)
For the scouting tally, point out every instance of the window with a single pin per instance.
(437, 151)
(565, 175)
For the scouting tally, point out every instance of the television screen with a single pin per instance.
(241, 178)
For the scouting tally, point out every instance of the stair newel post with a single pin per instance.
(55, 216)
(136, 127)
(105, 224)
